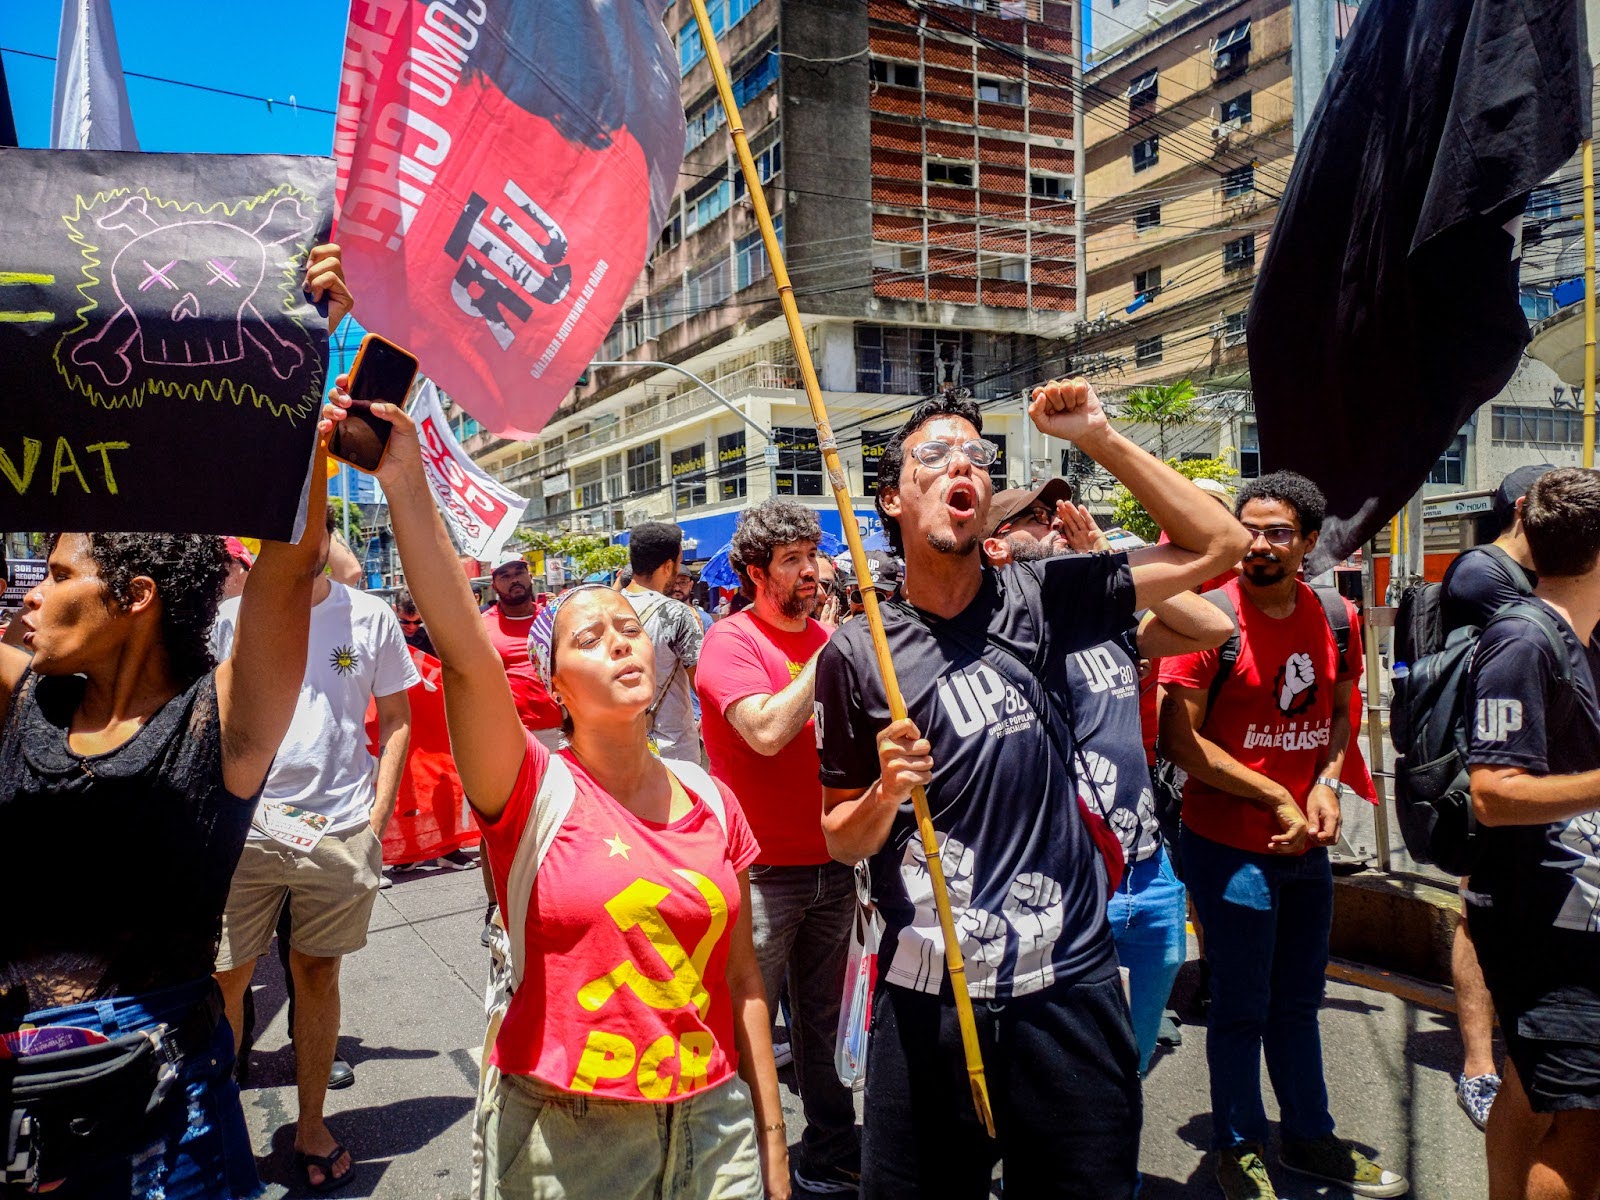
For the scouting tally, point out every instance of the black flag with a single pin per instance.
(1387, 309)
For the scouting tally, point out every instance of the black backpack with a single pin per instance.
(1428, 722)
(1419, 627)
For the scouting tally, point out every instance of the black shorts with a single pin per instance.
(1063, 1076)
(1546, 988)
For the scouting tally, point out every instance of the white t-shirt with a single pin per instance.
(356, 651)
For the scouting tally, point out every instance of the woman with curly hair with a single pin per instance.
(129, 766)
(614, 1083)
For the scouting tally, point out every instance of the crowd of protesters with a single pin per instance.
(683, 812)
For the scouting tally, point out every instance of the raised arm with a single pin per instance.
(1205, 539)
(1182, 625)
(486, 736)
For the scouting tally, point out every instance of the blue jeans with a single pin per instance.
(204, 1154)
(1147, 917)
(801, 917)
(1266, 921)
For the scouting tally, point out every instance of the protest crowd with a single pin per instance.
(922, 836)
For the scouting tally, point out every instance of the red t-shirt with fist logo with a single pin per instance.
(1273, 713)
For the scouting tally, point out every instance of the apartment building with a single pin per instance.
(922, 166)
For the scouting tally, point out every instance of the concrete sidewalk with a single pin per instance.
(413, 1027)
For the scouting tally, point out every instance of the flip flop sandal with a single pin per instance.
(303, 1162)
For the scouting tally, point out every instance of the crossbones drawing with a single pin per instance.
(213, 316)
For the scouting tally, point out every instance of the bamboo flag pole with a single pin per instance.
(841, 497)
(1588, 303)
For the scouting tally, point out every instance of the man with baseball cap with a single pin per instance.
(508, 620)
(1025, 520)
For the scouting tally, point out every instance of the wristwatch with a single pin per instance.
(1338, 786)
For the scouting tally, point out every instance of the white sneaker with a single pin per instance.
(781, 1054)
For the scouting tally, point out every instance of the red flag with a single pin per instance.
(495, 211)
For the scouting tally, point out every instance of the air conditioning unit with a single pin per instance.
(1222, 61)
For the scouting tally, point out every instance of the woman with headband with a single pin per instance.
(635, 1058)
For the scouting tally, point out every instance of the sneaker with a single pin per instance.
(782, 1056)
(1242, 1173)
(1476, 1096)
(457, 860)
(829, 1181)
(1334, 1160)
(1170, 1034)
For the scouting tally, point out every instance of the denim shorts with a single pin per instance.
(542, 1143)
(1545, 983)
(204, 1153)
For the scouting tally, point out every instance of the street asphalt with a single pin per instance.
(413, 1026)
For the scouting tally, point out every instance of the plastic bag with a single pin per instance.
(860, 979)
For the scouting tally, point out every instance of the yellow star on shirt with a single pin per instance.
(617, 846)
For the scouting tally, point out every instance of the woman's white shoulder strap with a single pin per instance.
(698, 782)
(557, 791)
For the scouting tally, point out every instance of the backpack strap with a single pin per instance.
(1228, 652)
(1338, 615)
(1535, 615)
(1518, 573)
(557, 791)
(697, 781)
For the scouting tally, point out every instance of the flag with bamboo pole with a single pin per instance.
(858, 556)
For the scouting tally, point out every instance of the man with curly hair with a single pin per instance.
(317, 842)
(757, 670)
(1264, 746)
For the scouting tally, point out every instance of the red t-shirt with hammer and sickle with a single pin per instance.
(625, 992)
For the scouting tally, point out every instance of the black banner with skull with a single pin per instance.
(162, 368)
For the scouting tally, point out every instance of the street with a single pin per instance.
(413, 1021)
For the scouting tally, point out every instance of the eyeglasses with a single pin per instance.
(410, 620)
(1037, 515)
(935, 452)
(1276, 535)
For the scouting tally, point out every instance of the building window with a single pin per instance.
(799, 461)
(690, 48)
(1239, 253)
(757, 79)
(1233, 329)
(898, 74)
(999, 91)
(1452, 464)
(1142, 91)
(671, 234)
(614, 477)
(1544, 204)
(689, 477)
(893, 256)
(1147, 217)
(703, 124)
(750, 262)
(1249, 451)
(1146, 153)
(724, 14)
(590, 487)
(707, 200)
(1240, 181)
(1232, 50)
(730, 466)
(644, 468)
(1003, 266)
(1050, 187)
(769, 161)
(904, 361)
(710, 284)
(1537, 305)
(997, 469)
(1520, 425)
(1237, 110)
(955, 174)
(1147, 283)
(1147, 351)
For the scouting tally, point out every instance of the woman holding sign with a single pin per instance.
(637, 1034)
(136, 759)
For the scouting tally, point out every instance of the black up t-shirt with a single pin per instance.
(1524, 716)
(1027, 885)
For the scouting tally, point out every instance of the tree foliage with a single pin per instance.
(590, 552)
(1131, 515)
(1166, 406)
(338, 506)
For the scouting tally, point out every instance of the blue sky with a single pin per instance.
(279, 48)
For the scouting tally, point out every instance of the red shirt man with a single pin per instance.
(509, 621)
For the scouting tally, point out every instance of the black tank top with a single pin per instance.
(114, 868)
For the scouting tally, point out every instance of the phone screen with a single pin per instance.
(383, 376)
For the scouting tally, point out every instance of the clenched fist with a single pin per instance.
(1068, 408)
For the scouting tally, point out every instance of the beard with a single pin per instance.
(1263, 571)
(1026, 549)
(793, 605)
(516, 593)
(945, 543)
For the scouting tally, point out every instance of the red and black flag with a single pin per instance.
(1387, 308)
(504, 170)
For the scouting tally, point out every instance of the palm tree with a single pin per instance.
(1166, 406)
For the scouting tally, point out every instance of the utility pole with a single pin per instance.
(1311, 57)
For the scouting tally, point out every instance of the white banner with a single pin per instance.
(479, 510)
(91, 105)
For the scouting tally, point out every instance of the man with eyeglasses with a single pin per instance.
(411, 627)
(1264, 746)
(980, 655)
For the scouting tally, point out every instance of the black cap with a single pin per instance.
(1513, 488)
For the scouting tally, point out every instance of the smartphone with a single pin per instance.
(381, 374)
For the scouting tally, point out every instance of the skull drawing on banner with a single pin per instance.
(190, 287)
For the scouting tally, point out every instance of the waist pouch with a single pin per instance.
(74, 1110)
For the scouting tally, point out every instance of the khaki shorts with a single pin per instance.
(331, 892)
